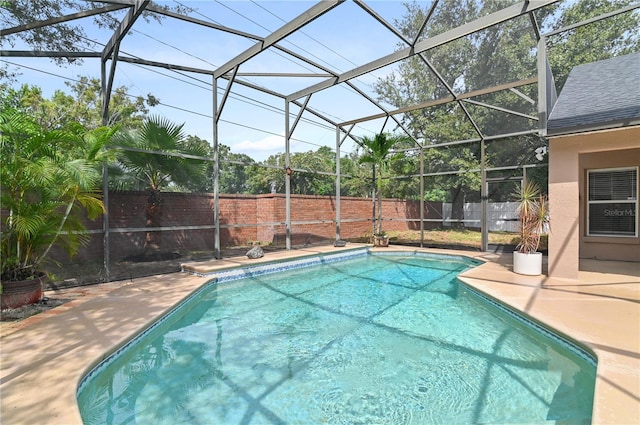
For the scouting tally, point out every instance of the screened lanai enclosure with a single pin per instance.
(243, 123)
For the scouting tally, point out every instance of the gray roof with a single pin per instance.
(599, 95)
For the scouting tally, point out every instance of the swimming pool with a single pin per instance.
(372, 338)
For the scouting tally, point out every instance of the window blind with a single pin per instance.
(613, 202)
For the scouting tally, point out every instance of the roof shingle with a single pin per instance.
(604, 94)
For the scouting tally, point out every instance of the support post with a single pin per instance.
(542, 86)
(216, 170)
(112, 47)
(337, 183)
(484, 197)
(373, 200)
(287, 177)
(105, 180)
(547, 94)
(109, 82)
(421, 197)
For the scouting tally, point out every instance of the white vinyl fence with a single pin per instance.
(500, 215)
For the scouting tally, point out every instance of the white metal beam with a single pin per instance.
(227, 90)
(594, 19)
(125, 26)
(48, 54)
(519, 9)
(300, 112)
(60, 19)
(447, 99)
(314, 12)
(497, 108)
(424, 23)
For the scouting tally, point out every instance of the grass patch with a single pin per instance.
(465, 237)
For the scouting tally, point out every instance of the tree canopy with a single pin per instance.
(82, 106)
(68, 36)
(500, 54)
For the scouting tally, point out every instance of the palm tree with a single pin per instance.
(81, 174)
(533, 217)
(47, 177)
(158, 156)
(377, 153)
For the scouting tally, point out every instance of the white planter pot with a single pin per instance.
(528, 264)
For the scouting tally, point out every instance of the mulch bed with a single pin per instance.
(17, 314)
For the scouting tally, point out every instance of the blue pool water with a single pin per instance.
(374, 339)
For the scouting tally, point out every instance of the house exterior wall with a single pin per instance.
(602, 247)
(570, 157)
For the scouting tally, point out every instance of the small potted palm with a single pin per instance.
(47, 177)
(533, 216)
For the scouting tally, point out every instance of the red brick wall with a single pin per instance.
(241, 213)
(236, 210)
(267, 212)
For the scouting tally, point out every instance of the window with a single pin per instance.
(613, 202)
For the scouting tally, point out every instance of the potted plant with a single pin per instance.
(533, 216)
(378, 154)
(46, 178)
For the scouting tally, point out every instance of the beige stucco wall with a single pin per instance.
(569, 158)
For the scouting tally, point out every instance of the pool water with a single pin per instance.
(377, 339)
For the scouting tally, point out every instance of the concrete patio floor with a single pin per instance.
(43, 358)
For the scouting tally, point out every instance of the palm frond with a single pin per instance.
(92, 203)
(154, 169)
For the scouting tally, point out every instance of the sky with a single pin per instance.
(251, 122)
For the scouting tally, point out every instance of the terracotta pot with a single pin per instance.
(18, 293)
(379, 240)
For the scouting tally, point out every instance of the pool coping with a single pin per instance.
(588, 313)
(43, 363)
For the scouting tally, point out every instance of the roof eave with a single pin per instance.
(611, 125)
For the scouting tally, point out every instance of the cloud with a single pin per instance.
(260, 148)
